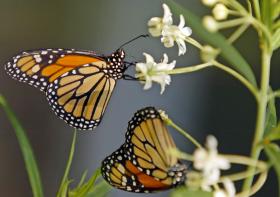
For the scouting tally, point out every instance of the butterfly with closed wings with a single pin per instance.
(142, 164)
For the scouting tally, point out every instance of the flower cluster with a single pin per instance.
(219, 11)
(209, 163)
(170, 33)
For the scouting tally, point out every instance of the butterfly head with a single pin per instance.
(116, 64)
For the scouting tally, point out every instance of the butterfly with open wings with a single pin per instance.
(78, 84)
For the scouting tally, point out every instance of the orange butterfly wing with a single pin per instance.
(41, 67)
(80, 96)
(142, 164)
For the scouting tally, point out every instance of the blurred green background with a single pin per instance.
(205, 102)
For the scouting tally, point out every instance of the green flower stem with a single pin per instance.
(218, 65)
(232, 23)
(68, 166)
(274, 94)
(255, 188)
(261, 113)
(238, 159)
(236, 5)
(260, 26)
(238, 33)
(193, 42)
(183, 132)
(243, 80)
(180, 155)
(189, 69)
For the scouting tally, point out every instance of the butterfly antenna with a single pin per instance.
(140, 36)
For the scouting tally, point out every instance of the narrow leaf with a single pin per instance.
(183, 192)
(276, 39)
(271, 116)
(217, 40)
(274, 134)
(273, 153)
(26, 149)
(68, 166)
(85, 188)
(267, 12)
(100, 190)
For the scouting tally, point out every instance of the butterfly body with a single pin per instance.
(78, 84)
(142, 164)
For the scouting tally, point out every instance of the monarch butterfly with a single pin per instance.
(142, 163)
(78, 84)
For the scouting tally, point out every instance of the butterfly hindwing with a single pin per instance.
(80, 96)
(143, 163)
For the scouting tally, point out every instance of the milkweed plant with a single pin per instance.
(210, 174)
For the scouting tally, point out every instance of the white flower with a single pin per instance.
(156, 24)
(173, 33)
(210, 23)
(152, 71)
(210, 162)
(170, 33)
(220, 12)
(209, 2)
(229, 190)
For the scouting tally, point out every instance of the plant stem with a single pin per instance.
(184, 133)
(261, 113)
(238, 33)
(257, 8)
(243, 80)
(68, 166)
(189, 68)
(274, 94)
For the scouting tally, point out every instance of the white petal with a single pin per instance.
(141, 67)
(211, 142)
(182, 21)
(148, 83)
(200, 156)
(154, 21)
(165, 58)
(230, 188)
(182, 46)
(222, 163)
(187, 31)
(155, 26)
(219, 193)
(167, 16)
(149, 58)
(167, 41)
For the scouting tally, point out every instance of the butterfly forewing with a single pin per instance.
(41, 67)
(145, 157)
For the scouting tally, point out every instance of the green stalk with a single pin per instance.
(68, 166)
(261, 113)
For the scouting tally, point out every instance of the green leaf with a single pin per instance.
(183, 192)
(100, 190)
(267, 12)
(271, 116)
(217, 40)
(276, 39)
(273, 153)
(26, 149)
(274, 134)
(83, 189)
(65, 180)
